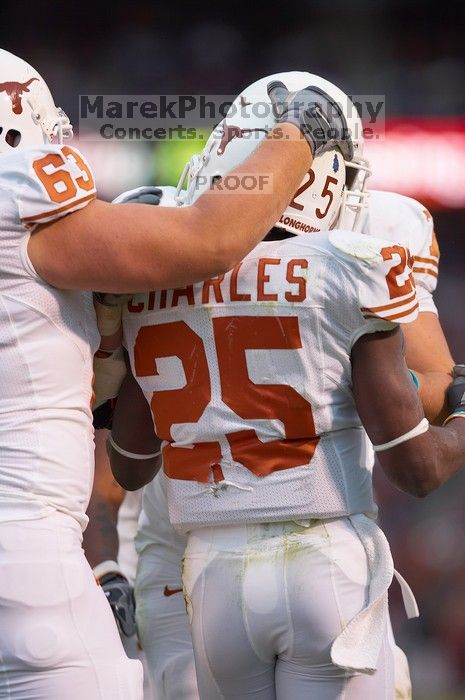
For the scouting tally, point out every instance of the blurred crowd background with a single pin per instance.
(413, 53)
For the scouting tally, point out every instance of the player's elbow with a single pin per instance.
(135, 480)
(418, 476)
(421, 486)
(133, 474)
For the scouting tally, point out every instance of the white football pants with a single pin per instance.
(128, 516)
(58, 638)
(266, 602)
(163, 627)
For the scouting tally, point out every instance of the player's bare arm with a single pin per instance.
(140, 248)
(428, 354)
(130, 250)
(100, 539)
(426, 351)
(133, 448)
(390, 410)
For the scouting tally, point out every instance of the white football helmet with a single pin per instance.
(28, 115)
(332, 191)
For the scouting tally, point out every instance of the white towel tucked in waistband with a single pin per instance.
(358, 646)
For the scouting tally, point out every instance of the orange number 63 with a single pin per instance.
(58, 181)
(233, 335)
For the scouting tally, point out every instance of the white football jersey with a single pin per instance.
(248, 376)
(403, 220)
(47, 340)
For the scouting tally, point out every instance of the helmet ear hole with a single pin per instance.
(13, 138)
(351, 174)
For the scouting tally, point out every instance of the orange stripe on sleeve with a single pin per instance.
(429, 261)
(60, 210)
(393, 305)
(426, 271)
(393, 317)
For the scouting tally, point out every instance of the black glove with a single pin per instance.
(141, 195)
(121, 599)
(102, 417)
(456, 390)
(319, 118)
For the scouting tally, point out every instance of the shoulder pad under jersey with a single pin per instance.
(383, 274)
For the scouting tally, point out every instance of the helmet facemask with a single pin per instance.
(354, 204)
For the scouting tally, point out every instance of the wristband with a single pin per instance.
(131, 455)
(106, 567)
(460, 413)
(415, 379)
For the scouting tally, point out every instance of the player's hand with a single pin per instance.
(102, 416)
(141, 195)
(319, 118)
(456, 390)
(120, 596)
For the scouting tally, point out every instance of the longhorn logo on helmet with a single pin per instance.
(15, 90)
(231, 132)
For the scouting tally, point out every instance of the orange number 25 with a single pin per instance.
(233, 335)
(397, 290)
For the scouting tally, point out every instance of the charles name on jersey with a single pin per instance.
(276, 280)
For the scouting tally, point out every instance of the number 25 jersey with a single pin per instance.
(248, 376)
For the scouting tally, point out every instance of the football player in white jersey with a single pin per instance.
(162, 620)
(235, 452)
(390, 216)
(161, 548)
(58, 637)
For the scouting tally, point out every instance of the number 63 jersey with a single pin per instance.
(248, 377)
(47, 339)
